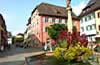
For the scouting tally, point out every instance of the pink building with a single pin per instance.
(45, 15)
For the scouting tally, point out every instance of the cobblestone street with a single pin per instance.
(16, 56)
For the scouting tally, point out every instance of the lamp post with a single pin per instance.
(69, 12)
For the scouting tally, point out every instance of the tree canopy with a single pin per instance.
(54, 30)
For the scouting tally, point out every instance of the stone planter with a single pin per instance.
(49, 54)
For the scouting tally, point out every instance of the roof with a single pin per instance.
(29, 21)
(52, 10)
(21, 34)
(92, 6)
(2, 22)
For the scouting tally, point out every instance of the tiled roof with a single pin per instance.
(91, 6)
(52, 10)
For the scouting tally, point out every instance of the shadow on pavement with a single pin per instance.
(16, 50)
(12, 63)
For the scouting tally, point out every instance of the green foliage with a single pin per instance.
(55, 29)
(98, 41)
(53, 61)
(97, 49)
(59, 53)
(19, 39)
(63, 44)
(53, 33)
(77, 51)
(72, 53)
(74, 28)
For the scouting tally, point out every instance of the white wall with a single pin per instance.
(88, 23)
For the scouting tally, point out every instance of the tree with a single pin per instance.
(19, 39)
(54, 30)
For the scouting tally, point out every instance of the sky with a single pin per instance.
(17, 12)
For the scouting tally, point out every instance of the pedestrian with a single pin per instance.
(45, 46)
(48, 45)
(9, 42)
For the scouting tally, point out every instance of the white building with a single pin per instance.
(89, 24)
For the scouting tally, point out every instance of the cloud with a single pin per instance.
(78, 8)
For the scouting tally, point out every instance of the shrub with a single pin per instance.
(72, 53)
(59, 52)
(19, 39)
(63, 44)
(77, 51)
(73, 38)
(72, 46)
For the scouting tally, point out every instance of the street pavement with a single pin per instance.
(16, 56)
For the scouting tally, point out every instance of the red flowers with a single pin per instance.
(73, 38)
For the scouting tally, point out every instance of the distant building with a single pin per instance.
(45, 15)
(3, 33)
(19, 35)
(90, 20)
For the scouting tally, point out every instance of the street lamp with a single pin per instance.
(69, 12)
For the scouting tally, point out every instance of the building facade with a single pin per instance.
(90, 21)
(45, 15)
(3, 33)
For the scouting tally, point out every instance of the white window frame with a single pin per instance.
(56, 20)
(50, 20)
(63, 21)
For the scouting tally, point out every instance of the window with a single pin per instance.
(87, 28)
(82, 29)
(89, 17)
(57, 20)
(50, 20)
(93, 15)
(91, 27)
(98, 14)
(60, 20)
(33, 16)
(43, 19)
(46, 19)
(53, 20)
(94, 26)
(86, 19)
(63, 21)
(37, 23)
(46, 29)
(82, 20)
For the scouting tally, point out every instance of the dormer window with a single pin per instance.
(87, 9)
(84, 11)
